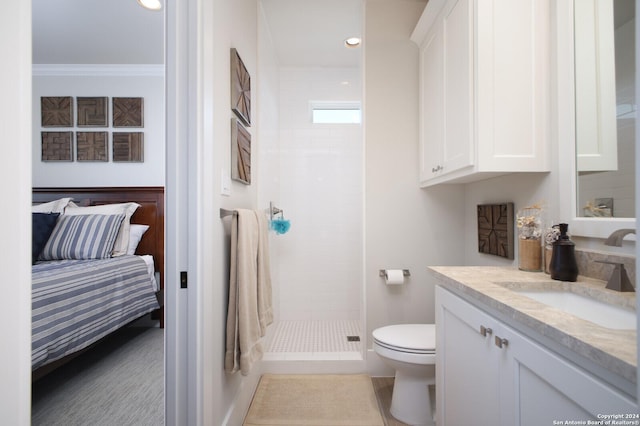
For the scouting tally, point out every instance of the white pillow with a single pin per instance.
(135, 235)
(56, 206)
(122, 240)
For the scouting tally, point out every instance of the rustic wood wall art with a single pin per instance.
(91, 146)
(57, 146)
(128, 147)
(495, 229)
(240, 89)
(128, 112)
(240, 152)
(92, 112)
(56, 111)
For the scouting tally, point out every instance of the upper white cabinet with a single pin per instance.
(484, 89)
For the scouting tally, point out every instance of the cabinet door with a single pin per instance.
(548, 387)
(470, 395)
(458, 149)
(432, 102)
(512, 85)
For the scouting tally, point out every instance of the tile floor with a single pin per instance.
(314, 340)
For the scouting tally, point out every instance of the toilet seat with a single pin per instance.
(407, 338)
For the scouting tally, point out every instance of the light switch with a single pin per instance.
(225, 183)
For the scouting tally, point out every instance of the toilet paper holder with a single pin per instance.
(383, 273)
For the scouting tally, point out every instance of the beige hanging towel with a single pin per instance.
(243, 346)
(265, 307)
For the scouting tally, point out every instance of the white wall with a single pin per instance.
(15, 171)
(406, 227)
(321, 192)
(268, 102)
(110, 81)
(522, 189)
(225, 24)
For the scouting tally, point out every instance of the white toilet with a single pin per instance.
(411, 350)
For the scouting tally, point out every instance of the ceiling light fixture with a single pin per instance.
(150, 4)
(352, 42)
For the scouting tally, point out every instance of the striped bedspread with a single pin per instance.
(77, 302)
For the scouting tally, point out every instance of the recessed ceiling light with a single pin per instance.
(150, 4)
(352, 42)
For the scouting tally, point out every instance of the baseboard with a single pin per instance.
(315, 367)
(372, 365)
(240, 407)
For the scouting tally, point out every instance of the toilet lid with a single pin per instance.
(409, 337)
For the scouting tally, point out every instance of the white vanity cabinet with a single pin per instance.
(489, 373)
(484, 89)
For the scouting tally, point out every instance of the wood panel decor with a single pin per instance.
(240, 89)
(91, 146)
(495, 229)
(240, 152)
(92, 112)
(57, 146)
(128, 112)
(56, 111)
(128, 147)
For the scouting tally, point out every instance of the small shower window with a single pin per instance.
(336, 113)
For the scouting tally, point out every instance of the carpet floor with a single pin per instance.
(314, 400)
(118, 382)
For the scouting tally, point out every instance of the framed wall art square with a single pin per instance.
(240, 152)
(240, 89)
(128, 147)
(496, 229)
(56, 111)
(128, 112)
(91, 146)
(92, 111)
(57, 146)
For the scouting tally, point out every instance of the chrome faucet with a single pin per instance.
(615, 239)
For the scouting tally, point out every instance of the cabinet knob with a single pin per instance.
(485, 331)
(500, 342)
(436, 169)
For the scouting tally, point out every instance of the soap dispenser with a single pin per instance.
(563, 265)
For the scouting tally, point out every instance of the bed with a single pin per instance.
(79, 299)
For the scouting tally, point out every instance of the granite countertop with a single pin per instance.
(614, 350)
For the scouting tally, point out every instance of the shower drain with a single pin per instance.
(353, 338)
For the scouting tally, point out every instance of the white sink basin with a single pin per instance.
(604, 314)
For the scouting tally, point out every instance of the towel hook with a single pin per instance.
(273, 210)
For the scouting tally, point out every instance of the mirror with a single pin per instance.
(605, 108)
(566, 129)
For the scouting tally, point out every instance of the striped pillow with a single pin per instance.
(82, 237)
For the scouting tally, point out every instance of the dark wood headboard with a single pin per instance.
(150, 212)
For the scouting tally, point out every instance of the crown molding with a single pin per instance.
(98, 70)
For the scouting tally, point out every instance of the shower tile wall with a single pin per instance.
(321, 192)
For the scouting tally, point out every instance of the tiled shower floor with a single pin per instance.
(314, 340)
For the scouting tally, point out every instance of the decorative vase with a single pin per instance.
(529, 239)
(530, 255)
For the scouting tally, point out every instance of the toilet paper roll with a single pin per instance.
(394, 277)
